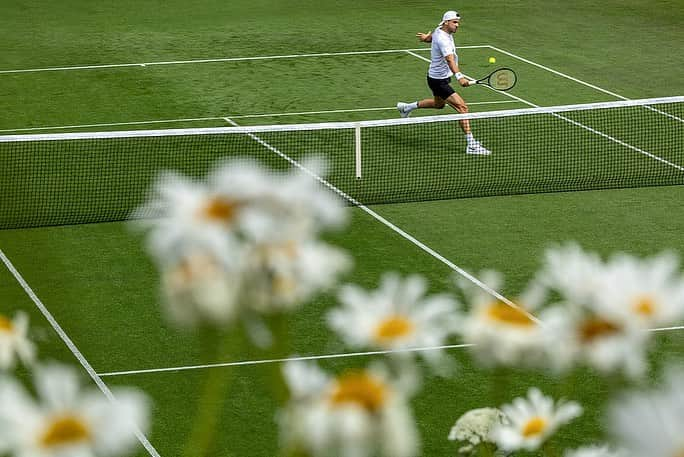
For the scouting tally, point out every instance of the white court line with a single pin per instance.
(288, 359)
(242, 116)
(578, 124)
(381, 219)
(311, 357)
(664, 329)
(226, 59)
(72, 347)
(600, 89)
(419, 56)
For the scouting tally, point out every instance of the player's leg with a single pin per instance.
(457, 103)
(434, 102)
(474, 146)
(430, 103)
(440, 90)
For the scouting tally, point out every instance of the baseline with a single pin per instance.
(225, 59)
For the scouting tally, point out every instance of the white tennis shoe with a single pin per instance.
(476, 148)
(404, 109)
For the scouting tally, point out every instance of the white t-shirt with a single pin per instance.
(442, 46)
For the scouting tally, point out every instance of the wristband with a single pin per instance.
(458, 75)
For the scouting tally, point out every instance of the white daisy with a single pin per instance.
(201, 288)
(501, 333)
(474, 427)
(590, 324)
(575, 274)
(594, 451)
(246, 237)
(607, 342)
(359, 414)
(14, 341)
(241, 201)
(532, 420)
(280, 276)
(190, 216)
(398, 315)
(66, 422)
(282, 204)
(651, 423)
(652, 289)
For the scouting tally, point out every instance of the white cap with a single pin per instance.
(449, 16)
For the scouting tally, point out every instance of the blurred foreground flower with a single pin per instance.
(241, 202)
(65, 421)
(282, 276)
(474, 427)
(652, 289)
(359, 414)
(651, 423)
(502, 334)
(607, 340)
(605, 308)
(201, 287)
(246, 240)
(396, 316)
(532, 420)
(14, 341)
(575, 274)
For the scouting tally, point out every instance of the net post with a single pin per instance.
(357, 149)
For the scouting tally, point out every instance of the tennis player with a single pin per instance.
(443, 65)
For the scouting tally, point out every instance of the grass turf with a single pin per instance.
(83, 273)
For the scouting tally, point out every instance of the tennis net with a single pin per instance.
(71, 178)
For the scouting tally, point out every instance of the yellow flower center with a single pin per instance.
(6, 325)
(501, 312)
(220, 209)
(592, 329)
(361, 389)
(534, 427)
(393, 328)
(645, 306)
(65, 430)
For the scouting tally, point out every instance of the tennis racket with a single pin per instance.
(500, 79)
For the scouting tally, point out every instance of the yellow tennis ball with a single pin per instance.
(492, 60)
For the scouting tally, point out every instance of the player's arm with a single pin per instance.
(453, 66)
(424, 37)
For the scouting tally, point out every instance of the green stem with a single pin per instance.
(278, 325)
(217, 344)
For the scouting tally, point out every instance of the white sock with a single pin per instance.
(412, 106)
(470, 138)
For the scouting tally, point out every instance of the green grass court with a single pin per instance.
(101, 287)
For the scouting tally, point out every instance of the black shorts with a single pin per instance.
(440, 87)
